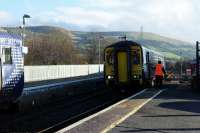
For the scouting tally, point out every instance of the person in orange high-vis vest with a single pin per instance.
(159, 74)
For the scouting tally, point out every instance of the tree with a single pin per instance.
(49, 49)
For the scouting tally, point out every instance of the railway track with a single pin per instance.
(77, 117)
(60, 114)
(82, 115)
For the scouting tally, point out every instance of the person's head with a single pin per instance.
(159, 62)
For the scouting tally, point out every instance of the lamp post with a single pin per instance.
(100, 37)
(181, 64)
(25, 16)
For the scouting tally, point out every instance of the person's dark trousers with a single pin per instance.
(159, 80)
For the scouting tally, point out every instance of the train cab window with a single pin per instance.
(7, 56)
(110, 58)
(136, 57)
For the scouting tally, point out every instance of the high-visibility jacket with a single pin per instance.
(159, 70)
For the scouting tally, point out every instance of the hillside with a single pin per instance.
(85, 43)
(169, 47)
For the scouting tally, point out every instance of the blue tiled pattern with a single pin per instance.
(15, 73)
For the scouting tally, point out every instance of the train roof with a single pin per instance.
(150, 50)
(124, 44)
(132, 43)
(9, 36)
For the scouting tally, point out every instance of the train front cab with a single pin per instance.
(11, 75)
(11, 70)
(123, 66)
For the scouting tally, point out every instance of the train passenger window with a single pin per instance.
(136, 57)
(110, 58)
(7, 56)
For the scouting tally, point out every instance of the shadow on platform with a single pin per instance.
(159, 130)
(172, 116)
(189, 106)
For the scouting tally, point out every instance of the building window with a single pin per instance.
(7, 56)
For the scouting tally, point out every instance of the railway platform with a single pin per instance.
(174, 109)
(55, 81)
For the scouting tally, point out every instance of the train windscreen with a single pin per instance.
(136, 57)
(110, 58)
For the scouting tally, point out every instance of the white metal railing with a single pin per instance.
(47, 72)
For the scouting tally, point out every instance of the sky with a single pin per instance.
(178, 19)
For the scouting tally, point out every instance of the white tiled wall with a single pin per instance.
(38, 73)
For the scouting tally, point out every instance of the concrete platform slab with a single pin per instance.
(104, 120)
(176, 110)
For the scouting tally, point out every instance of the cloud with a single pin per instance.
(5, 18)
(174, 18)
(86, 17)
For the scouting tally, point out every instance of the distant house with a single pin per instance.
(2, 30)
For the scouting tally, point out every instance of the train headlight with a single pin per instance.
(135, 76)
(110, 77)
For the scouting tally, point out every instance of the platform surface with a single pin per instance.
(176, 110)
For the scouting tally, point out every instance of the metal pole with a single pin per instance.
(23, 31)
(197, 59)
(99, 53)
(23, 36)
(181, 64)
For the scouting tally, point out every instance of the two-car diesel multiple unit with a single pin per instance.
(127, 63)
(11, 68)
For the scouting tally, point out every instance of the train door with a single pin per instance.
(148, 65)
(122, 66)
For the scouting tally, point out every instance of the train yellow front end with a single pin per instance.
(123, 65)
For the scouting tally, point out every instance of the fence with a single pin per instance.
(39, 73)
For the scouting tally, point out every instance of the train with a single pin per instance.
(11, 68)
(128, 64)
